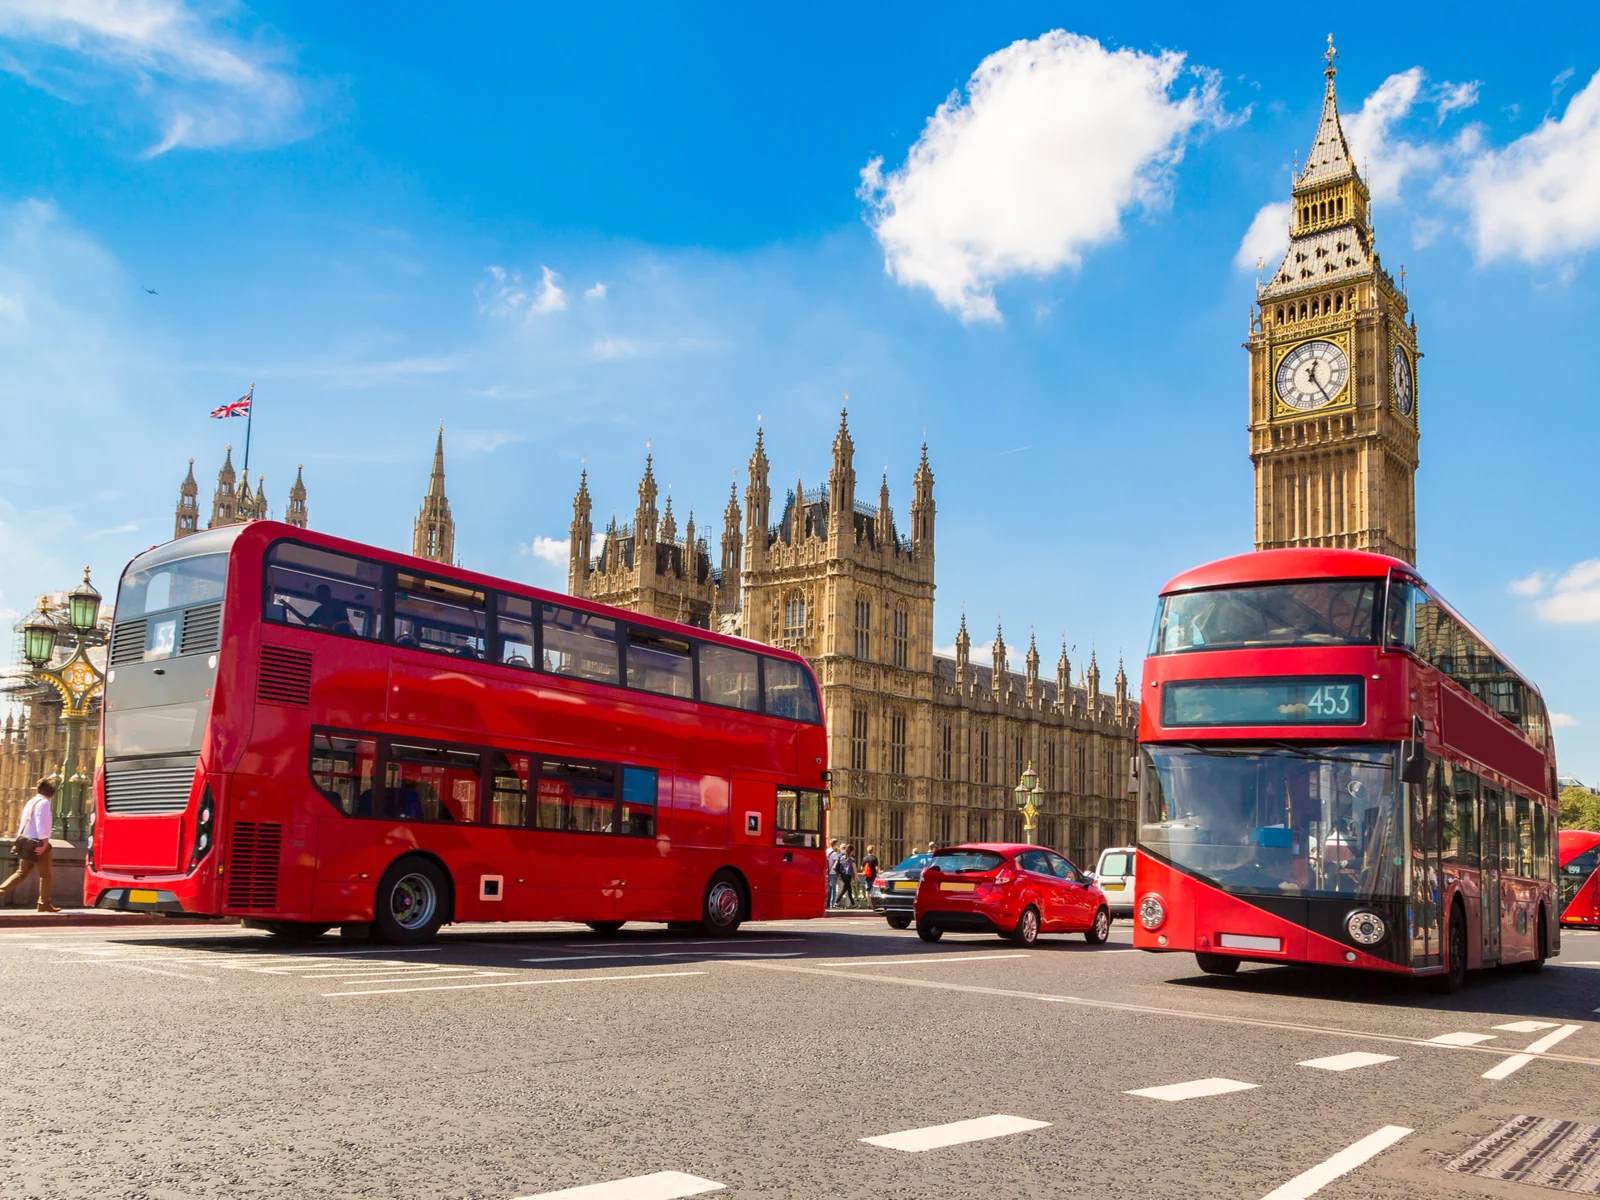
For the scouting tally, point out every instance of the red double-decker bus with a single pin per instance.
(306, 731)
(1335, 768)
(1580, 878)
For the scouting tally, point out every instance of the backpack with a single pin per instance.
(847, 866)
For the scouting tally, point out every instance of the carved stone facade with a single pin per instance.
(923, 747)
(233, 502)
(1333, 371)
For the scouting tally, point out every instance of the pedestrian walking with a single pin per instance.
(833, 874)
(869, 869)
(32, 847)
(847, 876)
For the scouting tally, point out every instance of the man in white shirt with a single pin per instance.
(32, 847)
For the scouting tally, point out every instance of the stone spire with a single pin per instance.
(1330, 156)
(757, 507)
(731, 539)
(922, 509)
(434, 534)
(688, 536)
(997, 682)
(1063, 679)
(260, 504)
(296, 514)
(580, 538)
(225, 502)
(187, 518)
(645, 518)
(1093, 681)
(842, 481)
(885, 517)
(1032, 683)
(1121, 685)
(669, 527)
(797, 529)
(963, 653)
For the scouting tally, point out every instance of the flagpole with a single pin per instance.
(249, 416)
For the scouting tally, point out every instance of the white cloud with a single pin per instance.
(1539, 198)
(1385, 156)
(549, 298)
(597, 292)
(502, 293)
(472, 443)
(203, 85)
(551, 550)
(129, 527)
(1266, 239)
(1571, 598)
(1452, 97)
(1053, 141)
(1563, 721)
(607, 348)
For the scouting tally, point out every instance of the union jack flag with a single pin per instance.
(239, 408)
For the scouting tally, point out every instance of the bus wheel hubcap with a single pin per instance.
(413, 901)
(723, 904)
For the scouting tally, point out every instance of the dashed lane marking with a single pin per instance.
(1526, 1026)
(920, 960)
(1460, 1039)
(1348, 1062)
(1308, 1183)
(933, 1137)
(1517, 1061)
(670, 954)
(976, 989)
(1193, 1090)
(466, 987)
(663, 1185)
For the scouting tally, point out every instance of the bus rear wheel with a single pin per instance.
(409, 905)
(605, 926)
(1216, 964)
(1540, 949)
(724, 905)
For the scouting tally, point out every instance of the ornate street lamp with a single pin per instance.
(1030, 799)
(83, 605)
(39, 636)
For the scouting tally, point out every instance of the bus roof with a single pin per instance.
(1273, 566)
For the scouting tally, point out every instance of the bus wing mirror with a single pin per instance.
(1414, 756)
(1133, 775)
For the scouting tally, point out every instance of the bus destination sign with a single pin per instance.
(1301, 700)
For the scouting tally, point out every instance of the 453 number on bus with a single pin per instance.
(1332, 701)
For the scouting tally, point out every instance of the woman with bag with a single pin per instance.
(31, 847)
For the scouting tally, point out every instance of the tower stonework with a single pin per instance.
(1333, 371)
(233, 502)
(434, 534)
(186, 519)
(922, 747)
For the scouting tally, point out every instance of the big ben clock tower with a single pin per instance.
(1333, 371)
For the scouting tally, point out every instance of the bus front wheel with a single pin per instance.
(1455, 963)
(724, 906)
(410, 902)
(1216, 964)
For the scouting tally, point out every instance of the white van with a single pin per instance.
(1114, 873)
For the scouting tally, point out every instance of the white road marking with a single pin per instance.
(343, 980)
(672, 954)
(464, 987)
(1308, 1183)
(1348, 1062)
(921, 960)
(663, 1185)
(744, 941)
(1526, 1026)
(1461, 1039)
(1193, 1090)
(97, 962)
(1517, 1061)
(914, 1141)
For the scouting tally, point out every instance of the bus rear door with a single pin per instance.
(1489, 886)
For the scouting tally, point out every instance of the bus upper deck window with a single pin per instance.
(515, 622)
(730, 677)
(580, 644)
(430, 614)
(790, 692)
(318, 589)
(659, 662)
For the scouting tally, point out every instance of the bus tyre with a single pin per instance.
(899, 920)
(1027, 931)
(724, 905)
(297, 931)
(409, 905)
(605, 926)
(1216, 964)
(1097, 933)
(929, 933)
(1454, 977)
(1539, 948)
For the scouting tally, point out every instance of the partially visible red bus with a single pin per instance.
(306, 731)
(1335, 768)
(1580, 879)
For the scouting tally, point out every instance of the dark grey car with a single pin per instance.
(894, 892)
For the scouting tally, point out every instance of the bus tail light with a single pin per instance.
(1152, 911)
(204, 829)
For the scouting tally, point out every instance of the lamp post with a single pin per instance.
(1030, 799)
(77, 680)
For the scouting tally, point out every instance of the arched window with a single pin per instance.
(1338, 303)
(794, 614)
(1341, 205)
(902, 638)
(1280, 314)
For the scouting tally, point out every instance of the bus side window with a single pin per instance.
(1400, 625)
(661, 663)
(1541, 857)
(799, 817)
(431, 783)
(514, 619)
(342, 769)
(730, 677)
(430, 614)
(789, 691)
(1450, 846)
(580, 644)
(638, 802)
(576, 797)
(317, 589)
(1524, 842)
(1464, 785)
(508, 789)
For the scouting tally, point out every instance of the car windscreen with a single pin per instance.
(953, 862)
(1118, 862)
(915, 863)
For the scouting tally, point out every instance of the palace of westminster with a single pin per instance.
(926, 747)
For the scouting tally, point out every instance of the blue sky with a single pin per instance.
(1030, 230)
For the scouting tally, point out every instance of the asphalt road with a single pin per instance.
(519, 1061)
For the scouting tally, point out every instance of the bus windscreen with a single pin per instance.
(1314, 612)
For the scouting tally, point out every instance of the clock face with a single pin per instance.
(1312, 375)
(1401, 383)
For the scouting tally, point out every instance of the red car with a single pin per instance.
(1015, 891)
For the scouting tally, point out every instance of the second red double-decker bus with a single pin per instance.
(1335, 768)
(1579, 874)
(308, 732)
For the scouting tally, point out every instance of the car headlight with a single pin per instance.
(1365, 928)
(1152, 912)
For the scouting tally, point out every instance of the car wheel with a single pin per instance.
(1097, 933)
(297, 931)
(929, 933)
(605, 926)
(723, 906)
(1027, 931)
(1454, 977)
(1216, 964)
(409, 905)
(899, 921)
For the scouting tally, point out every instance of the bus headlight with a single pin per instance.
(1152, 912)
(1365, 928)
